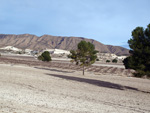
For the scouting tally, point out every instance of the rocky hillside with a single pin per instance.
(28, 41)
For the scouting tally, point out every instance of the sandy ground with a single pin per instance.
(25, 89)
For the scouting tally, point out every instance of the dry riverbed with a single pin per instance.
(25, 89)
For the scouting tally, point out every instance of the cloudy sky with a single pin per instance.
(107, 21)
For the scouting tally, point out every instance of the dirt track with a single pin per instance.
(55, 90)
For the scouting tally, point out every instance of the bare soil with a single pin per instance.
(33, 87)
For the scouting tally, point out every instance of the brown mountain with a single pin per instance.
(28, 41)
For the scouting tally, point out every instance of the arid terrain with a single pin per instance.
(33, 42)
(31, 86)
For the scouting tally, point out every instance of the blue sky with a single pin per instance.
(107, 21)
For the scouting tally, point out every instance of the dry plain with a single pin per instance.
(36, 89)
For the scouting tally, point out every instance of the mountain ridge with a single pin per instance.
(30, 41)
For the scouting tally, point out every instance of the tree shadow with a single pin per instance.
(93, 82)
(57, 70)
(97, 83)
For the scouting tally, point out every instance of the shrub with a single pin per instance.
(97, 59)
(114, 60)
(41, 57)
(107, 61)
(19, 52)
(45, 56)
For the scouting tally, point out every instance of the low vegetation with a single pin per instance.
(107, 61)
(139, 58)
(19, 52)
(45, 56)
(114, 61)
(85, 55)
(97, 59)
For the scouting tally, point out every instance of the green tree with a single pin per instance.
(85, 54)
(45, 56)
(107, 61)
(114, 60)
(139, 58)
(97, 59)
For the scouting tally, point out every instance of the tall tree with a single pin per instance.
(139, 58)
(85, 54)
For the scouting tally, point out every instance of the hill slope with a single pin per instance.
(28, 41)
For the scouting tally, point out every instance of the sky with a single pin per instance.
(107, 21)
